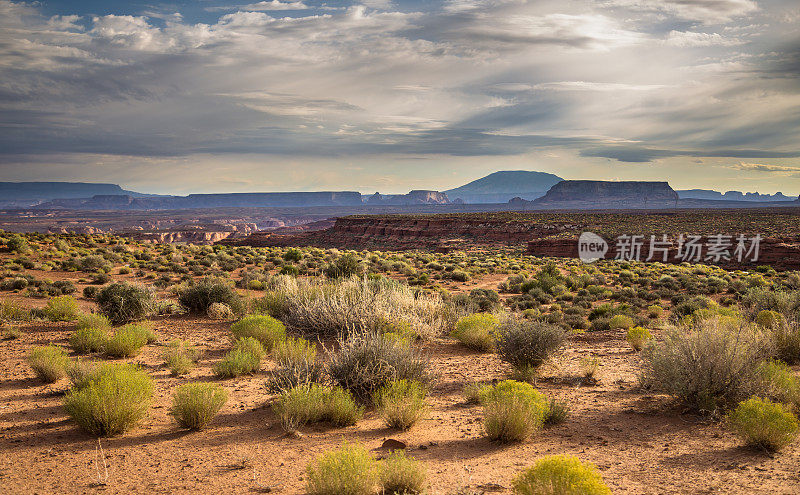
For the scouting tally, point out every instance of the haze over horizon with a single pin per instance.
(220, 96)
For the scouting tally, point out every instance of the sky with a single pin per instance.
(389, 96)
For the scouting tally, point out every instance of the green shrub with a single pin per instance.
(346, 265)
(62, 308)
(273, 303)
(194, 405)
(265, 329)
(560, 475)
(513, 410)
(244, 358)
(620, 321)
(92, 320)
(401, 403)
(79, 371)
(350, 470)
(476, 331)
(712, 365)
(779, 383)
(654, 311)
(367, 361)
(637, 337)
(17, 244)
(49, 363)
(122, 302)
(557, 413)
(460, 275)
(763, 424)
(198, 297)
(180, 357)
(128, 341)
(401, 475)
(313, 403)
(86, 340)
(10, 333)
(112, 399)
(14, 311)
(526, 344)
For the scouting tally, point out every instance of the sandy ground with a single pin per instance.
(640, 442)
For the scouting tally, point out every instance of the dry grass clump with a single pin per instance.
(401, 475)
(265, 329)
(180, 357)
(476, 331)
(560, 475)
(350, 470)
(111, 400)
(128, 341)
(244, 358)
(92, 320)
(194, 405)
(49, 363)
(297, 365)
(512, 410)
(220, 311)
(334, 307)
(527, 344)
(709, 366)
(367, 361)
(86, 340)
(401, 403)
(315, 403)
(637, 337)
(764, 424)
(62, 308)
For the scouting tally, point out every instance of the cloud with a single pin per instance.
(760, 167)
(275, 5)
(602, 83)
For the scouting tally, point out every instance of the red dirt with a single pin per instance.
(638, 440)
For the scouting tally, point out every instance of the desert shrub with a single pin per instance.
(61, 308)
(336, 307)
(484, 300)
(654, 311)
(10, 333)
(350, 470)
(560, 475)
(198, 297)
(620, 321)
(111, 400)
(265, 329)
(91, 339)
(244, 358)
(476, 331)
(401, 475)
(526, 344)
(128, 341)
(708, 366)
(92, 320)
(180, 357)
(297, 365)
(557, 413)
(14, 311)
(194, 405)
(785, 340)
(122, 302)
(220, 311)
(79, 371)
(347, 265)
(512, 410)
(313, 403)
(779, 383)
(273, 303)
(17, 244)
(367, 361)
(401, 403)
(637, 337)
(49, 363)
(460, 275)
(759, 299)
(763, 424)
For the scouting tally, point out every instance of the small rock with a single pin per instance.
(392, 444)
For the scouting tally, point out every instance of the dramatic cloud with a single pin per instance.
(599, 83)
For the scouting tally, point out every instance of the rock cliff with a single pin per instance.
(591, 194)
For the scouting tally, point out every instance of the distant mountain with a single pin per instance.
(31, 193)
(594, 194)
(731, 195)
(500, 187)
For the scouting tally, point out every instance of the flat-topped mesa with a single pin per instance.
(416, 197)
(594, 194)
